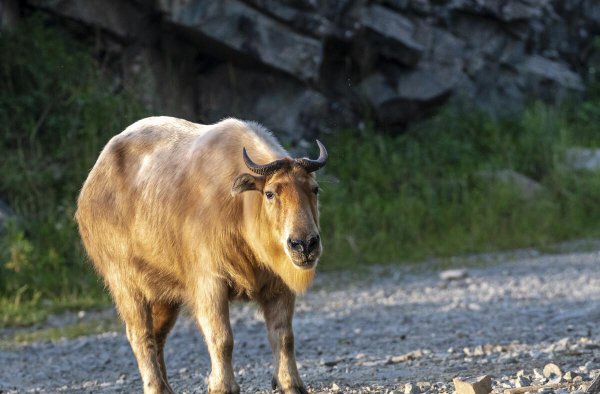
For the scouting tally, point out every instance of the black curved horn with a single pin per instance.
(313, 165)
(262, 169)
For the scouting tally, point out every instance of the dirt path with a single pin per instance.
(369, 334)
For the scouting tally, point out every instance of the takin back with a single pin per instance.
(176, 213)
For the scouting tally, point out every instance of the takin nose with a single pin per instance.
(304, 246)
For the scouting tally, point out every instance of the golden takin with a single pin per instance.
(175, 213)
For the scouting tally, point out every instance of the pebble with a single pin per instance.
(546, 391)
(538, 376)
(411, 388)
(552, 371)
(453, 274)
(479, 385)
(522, 381)
(332, 362)
(406, 357)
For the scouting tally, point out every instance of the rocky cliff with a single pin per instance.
(308, 66)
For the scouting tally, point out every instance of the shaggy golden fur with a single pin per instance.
(164, 226)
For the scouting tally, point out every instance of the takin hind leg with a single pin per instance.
(164, 316)
(136, 312)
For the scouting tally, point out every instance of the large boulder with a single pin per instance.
(243, 31)
(285, 105)
(302, 16)
(409, 96)
(550, 80)
(388, 34)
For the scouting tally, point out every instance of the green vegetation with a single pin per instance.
(429, 193)
(57, 110)
(69, 330)
(396, 198)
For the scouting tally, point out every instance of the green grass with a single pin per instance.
(69, 330)
(385, 198)
(19, 310)
(423, 193)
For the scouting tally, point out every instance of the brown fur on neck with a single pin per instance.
(268, 251)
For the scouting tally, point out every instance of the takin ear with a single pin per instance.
(245, 182)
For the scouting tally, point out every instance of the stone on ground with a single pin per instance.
(454, 274)
(552, 371)
(479, 385)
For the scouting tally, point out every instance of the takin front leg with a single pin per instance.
(212, 313)
(137, 315)
(279, 311)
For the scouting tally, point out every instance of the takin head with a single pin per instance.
(288, 206)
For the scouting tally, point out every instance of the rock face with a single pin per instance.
(245, 31)
(307, 66)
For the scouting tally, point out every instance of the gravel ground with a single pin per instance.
(375, 332)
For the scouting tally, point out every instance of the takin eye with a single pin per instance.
(269, 195)
(316, 190)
